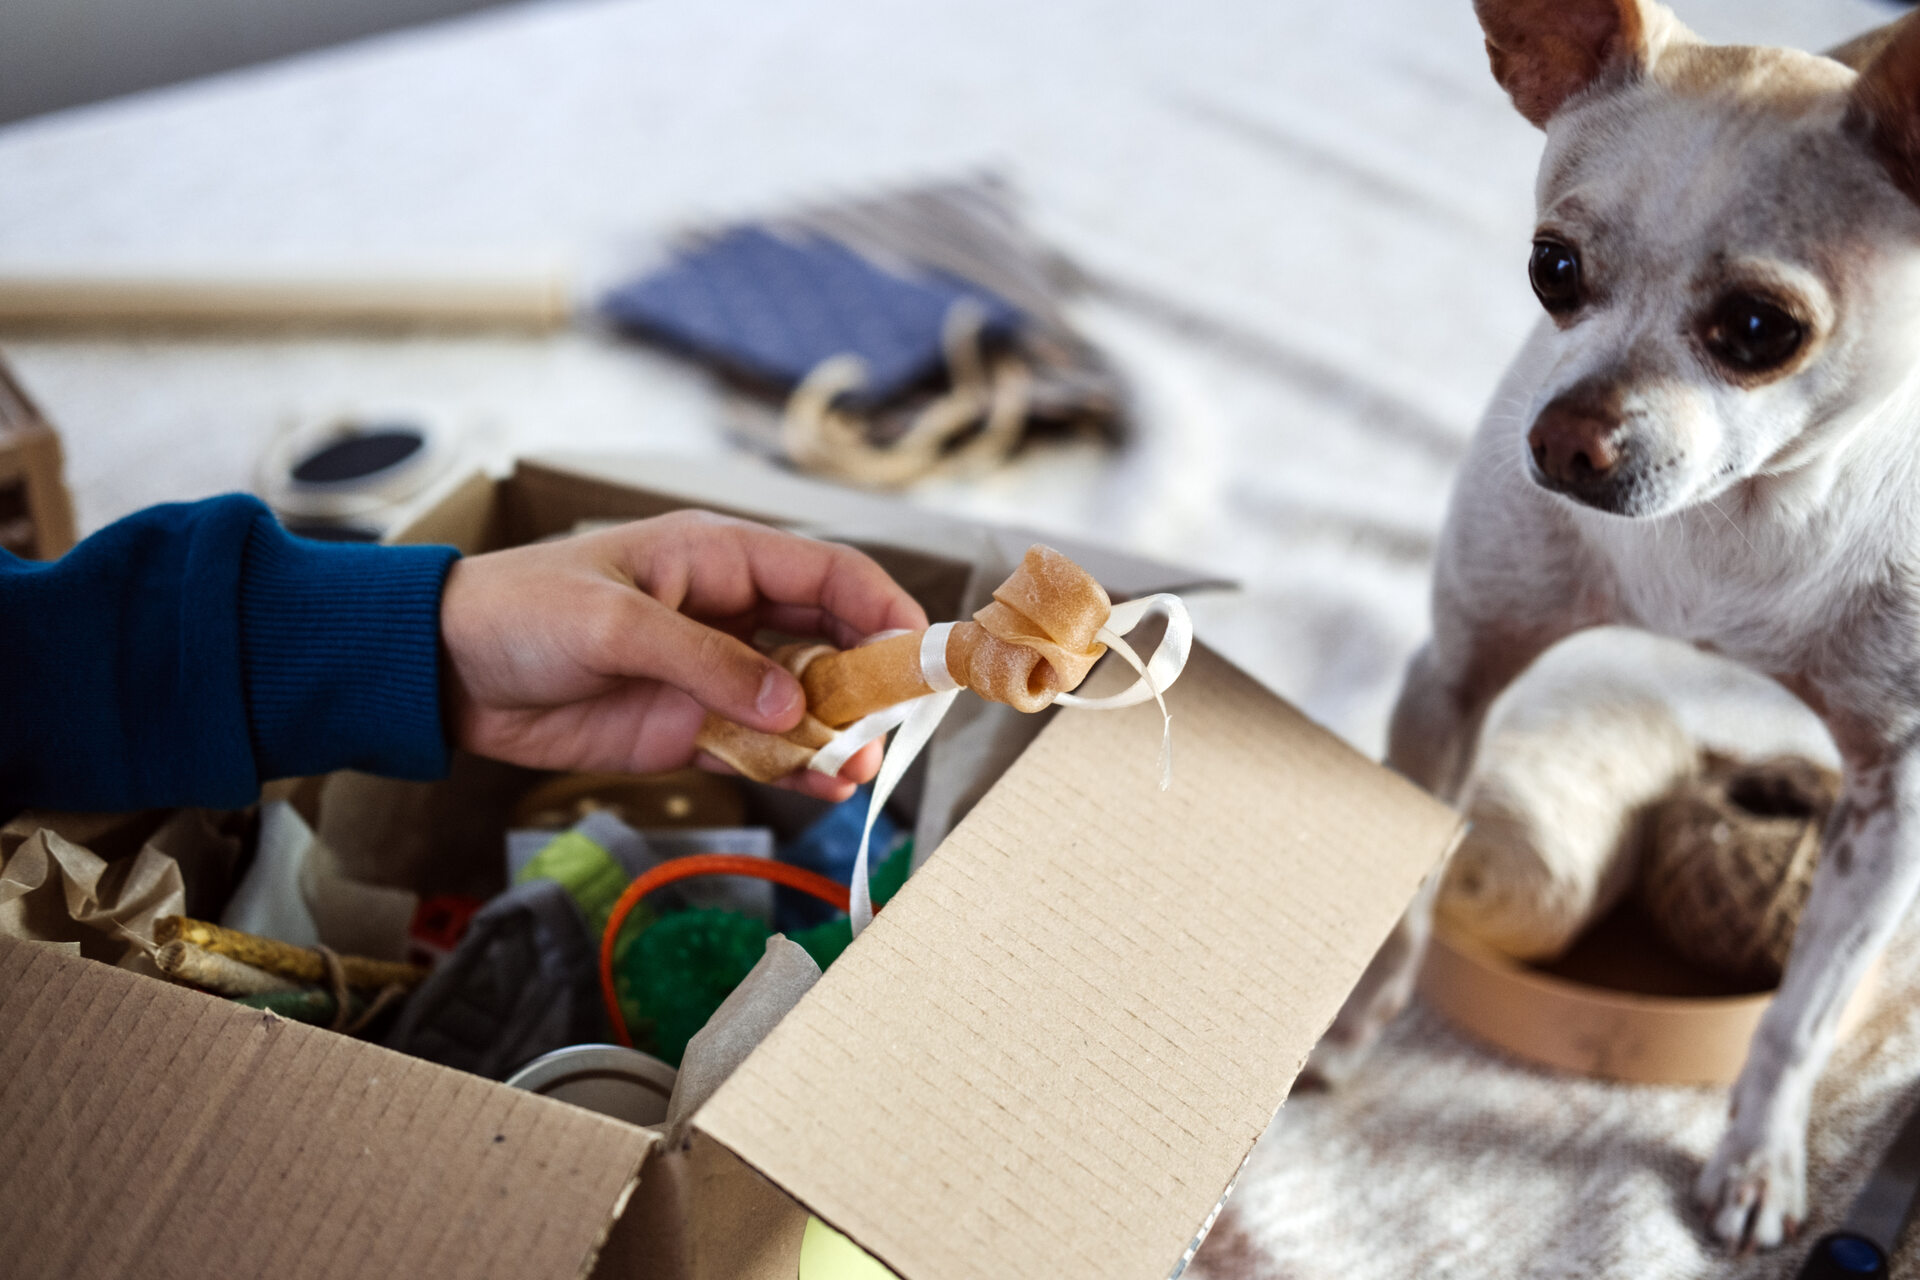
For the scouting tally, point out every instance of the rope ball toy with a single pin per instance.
(1730, 860)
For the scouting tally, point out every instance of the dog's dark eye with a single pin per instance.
(1554, 270)
(1751, 334)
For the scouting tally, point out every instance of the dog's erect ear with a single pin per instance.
(1886, 105)
(1546, 51)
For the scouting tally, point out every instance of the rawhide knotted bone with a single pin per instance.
(1033, 642)
(766, 756)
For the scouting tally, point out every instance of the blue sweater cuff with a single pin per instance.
(340, 655)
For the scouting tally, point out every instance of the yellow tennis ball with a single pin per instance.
(825, 1254)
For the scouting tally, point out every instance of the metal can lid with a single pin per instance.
(614, 1081)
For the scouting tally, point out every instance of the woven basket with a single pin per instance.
(1730, 859)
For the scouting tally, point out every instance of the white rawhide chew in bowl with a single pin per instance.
(1552, 841)
(1596, 731)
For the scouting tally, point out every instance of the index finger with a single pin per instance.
(734, 566)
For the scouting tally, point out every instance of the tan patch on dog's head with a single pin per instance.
(1786, 81)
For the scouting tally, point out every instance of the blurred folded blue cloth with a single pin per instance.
(772, 307)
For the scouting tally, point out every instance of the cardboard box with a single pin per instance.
(1048, 1058)
(36, 512)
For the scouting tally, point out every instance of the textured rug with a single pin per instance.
(1445, 1159)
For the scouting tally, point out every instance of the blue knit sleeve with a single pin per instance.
(190, 652)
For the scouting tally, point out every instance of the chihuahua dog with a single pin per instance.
(1713, 434)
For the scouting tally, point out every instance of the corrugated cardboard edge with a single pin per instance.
(30, 452)
(465, 518)
(1053, 1051)
(152, 1131)
(758, 491)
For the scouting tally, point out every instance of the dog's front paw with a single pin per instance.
(1754, 1189)
(1333, 1061)
(1345, 1046)
(1382, 992)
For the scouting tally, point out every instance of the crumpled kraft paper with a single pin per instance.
(785, 973)
(53, 890)
(298, 892)
(210, 845)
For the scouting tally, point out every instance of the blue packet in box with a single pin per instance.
(829, 847)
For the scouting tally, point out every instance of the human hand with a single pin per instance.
(605, 651)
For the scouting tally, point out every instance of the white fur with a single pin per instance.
(1771, 520)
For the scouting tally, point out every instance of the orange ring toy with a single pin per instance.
(828, 891)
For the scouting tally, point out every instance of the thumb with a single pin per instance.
(726, 676)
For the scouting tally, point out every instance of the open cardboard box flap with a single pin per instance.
(1048, 1057)
(147, 1130)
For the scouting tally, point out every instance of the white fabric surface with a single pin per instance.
(1307, 224)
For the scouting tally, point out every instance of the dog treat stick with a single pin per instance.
(1035, 641)
(283, 957)
(215, 972)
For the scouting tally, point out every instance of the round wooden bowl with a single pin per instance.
(1619, 1006)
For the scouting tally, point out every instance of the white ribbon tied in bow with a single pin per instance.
(917, 718)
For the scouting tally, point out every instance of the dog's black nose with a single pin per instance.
(1576, 444)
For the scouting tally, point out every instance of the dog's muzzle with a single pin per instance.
(1579, 448)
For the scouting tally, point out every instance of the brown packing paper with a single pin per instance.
(111, 835)
(699, 1213)
(784, 974)
(351, 915)
(422, 836)
(53, 890)
(299, 891)
(208, 846)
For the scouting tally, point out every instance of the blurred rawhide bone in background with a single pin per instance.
(1034, 641)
